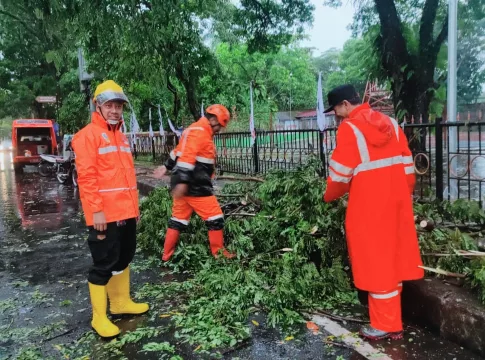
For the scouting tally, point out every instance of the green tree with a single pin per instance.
(357, 63)
(161, 44)
(35, 60)
(409, 38)
(327, 63)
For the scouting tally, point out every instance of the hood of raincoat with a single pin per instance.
(376, 127)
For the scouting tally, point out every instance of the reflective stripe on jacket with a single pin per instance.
(372, 162)
(193, 159)
(106, 172)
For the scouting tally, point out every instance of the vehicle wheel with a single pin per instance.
(18, 169)
(63, 178)
(45, 169)
(74, 177)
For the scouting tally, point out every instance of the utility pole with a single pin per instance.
(451, 92)
(85, 79)
(291, 83)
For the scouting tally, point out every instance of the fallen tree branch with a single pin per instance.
(442, 272)
(254, 200)
(340, 318)
(238, 178)
(60, 335)
(242, 344)
(252, 215)
(233, 212)
(458, 253)
(427, 225)
(339, 344)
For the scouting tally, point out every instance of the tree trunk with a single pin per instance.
(176, 99)
(411, 75)
(189, 86)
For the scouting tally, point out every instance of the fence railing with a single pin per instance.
(449, 158)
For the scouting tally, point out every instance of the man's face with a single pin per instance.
(343, 109)
(112, 110)
(216, 127)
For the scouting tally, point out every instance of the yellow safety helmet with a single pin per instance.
(109, 91)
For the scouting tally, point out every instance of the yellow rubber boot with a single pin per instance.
(119, 296)
(100, 323)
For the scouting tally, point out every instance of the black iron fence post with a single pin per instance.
(256, 155)
(322, 153)
(153, 149)
(439, 158)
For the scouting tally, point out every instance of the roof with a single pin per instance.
(311, 113)
(285, 115)
(32, 123)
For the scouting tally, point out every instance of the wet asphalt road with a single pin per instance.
(44, 299)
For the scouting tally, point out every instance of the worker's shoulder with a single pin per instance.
(198, 129)
(345, 126)
(89, 131)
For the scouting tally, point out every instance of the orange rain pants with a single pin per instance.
(385, 310)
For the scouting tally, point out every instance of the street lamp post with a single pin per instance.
(451, 91)
(291, 83)
(84, 78)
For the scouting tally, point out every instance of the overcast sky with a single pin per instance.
(329, 26)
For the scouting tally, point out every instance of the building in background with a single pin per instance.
(301, 120)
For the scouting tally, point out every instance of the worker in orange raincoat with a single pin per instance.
(193, 165)
(107, 185)
(373, 163)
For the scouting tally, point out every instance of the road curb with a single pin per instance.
(453, 312)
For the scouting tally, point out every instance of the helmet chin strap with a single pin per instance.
(111, 126)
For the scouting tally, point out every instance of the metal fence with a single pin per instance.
(449, 158)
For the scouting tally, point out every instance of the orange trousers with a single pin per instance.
(385, 310)
(207, 207)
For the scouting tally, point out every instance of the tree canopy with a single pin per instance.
(180, 54)
(410, 37)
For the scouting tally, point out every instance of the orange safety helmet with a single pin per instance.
(220, 112)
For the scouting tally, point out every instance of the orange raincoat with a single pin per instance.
(372, 162)
(106, 172)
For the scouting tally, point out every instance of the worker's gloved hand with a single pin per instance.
(180, 191)
(160, 172)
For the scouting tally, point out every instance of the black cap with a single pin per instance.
(339, 94)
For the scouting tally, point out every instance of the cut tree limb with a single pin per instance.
(427, 225)
(340, 318)
(239, 178)
(248, 214)
(442, 272)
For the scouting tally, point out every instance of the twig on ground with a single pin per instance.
(60, 335)
(340, 318)
(339, 344)
(242, 344)
(233, 212)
